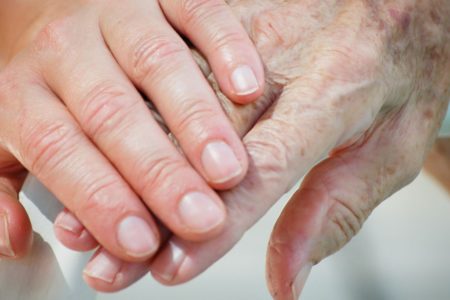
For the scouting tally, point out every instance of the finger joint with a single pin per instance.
(152, 52)
(105, 109)
(156, 172)
(47, 146)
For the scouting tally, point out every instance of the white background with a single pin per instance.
(403, 252)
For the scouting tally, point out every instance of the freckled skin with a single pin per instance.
(378, 54)
(403, 19)
(387, 63)
(390, 58)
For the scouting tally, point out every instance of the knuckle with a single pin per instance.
(96, 196)
(53, 37)
(196, 11)
(347, 219)
(192, 115)
(325, 108)
(105, 108)
(200, 12)
(403, 160)
(46, 146)
(226, 37)
(153, 52)
(156, 172)
(348, 62)
(404, 168)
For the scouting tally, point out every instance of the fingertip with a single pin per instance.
(225, 163)
(72, 234)
(239, 72)
(166, 266)
(102, 271)
(202, 216)
(292, 243)
(107, 273)
(138, 238)
(82, 243)
(246, 83)
(15, 229)
(220, 36)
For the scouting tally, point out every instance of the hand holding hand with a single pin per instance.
(72, 114)
(357, 85)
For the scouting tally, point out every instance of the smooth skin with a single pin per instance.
(72, 79)
(356, 92)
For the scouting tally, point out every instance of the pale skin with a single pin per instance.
(361, 86)
(346, 86)
(71, 78)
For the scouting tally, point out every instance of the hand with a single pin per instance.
(357, 85)
(72, 115)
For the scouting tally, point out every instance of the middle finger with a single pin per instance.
(114, 116)
(158, 62)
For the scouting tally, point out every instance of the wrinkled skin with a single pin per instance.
(72, 77)
(359, 86)
(367, 80)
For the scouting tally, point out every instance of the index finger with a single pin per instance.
(217, 33)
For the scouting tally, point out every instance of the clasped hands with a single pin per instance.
(352, 98)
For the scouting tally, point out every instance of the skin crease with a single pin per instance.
(71, 74)
(370, 82)
(360, 86)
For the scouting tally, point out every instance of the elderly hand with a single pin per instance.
(71, 114)
(360, 86)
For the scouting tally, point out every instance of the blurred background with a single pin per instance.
(402, 252)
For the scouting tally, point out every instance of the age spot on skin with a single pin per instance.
(402, 18)
(428, 114)
(435, 17)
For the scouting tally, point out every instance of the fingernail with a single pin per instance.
(300, 280)
(136, 237)
(103, 267)
(199, 212)
(220, 163)
(69, 222)
(168, 263)
(5, 242)
(244, 81)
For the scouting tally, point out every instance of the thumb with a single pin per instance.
(332, 204)
(15, 227)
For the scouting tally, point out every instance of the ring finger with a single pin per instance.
(115, 117)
